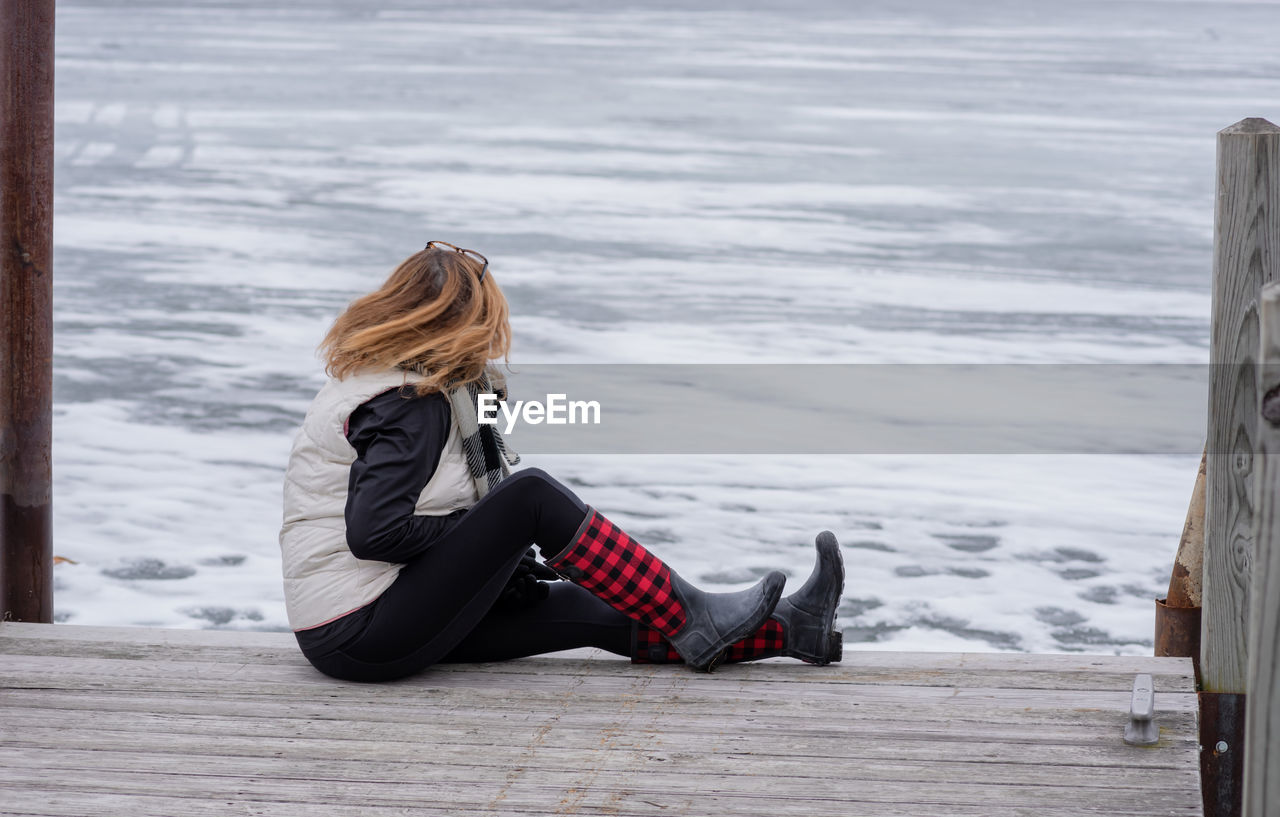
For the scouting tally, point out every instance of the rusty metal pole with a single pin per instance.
(1178, 615)
(26, 309)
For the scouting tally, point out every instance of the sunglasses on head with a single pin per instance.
(469, 253)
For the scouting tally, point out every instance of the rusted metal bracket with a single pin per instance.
(1142, 729)
(1222, 752)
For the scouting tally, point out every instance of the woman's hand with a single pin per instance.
(527, 585)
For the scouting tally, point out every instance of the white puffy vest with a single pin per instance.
(322, 579)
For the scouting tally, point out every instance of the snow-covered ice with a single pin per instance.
(705, 182)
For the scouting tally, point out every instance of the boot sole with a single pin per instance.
(835, 647)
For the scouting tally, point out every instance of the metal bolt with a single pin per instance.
(1221, 747)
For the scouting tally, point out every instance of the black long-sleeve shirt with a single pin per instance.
(398, 438)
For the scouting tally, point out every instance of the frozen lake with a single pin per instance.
(703, 182)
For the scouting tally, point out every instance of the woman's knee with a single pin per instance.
(526, 474)
(539, 483)
(553, 511)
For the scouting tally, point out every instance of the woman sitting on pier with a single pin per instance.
(406, 538)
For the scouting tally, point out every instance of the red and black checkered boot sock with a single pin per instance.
(766, 642)
(649, 647)
(617, 569)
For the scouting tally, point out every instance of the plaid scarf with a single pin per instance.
(488, 457)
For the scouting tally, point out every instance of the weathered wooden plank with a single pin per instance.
(21, 801)
(50, 636)
(1246, 255)
(248, 639)
(479, 786)
(832, 740)
(873, 726)
(17, 800)
(714, 765)
(169, 726)
(339, 741)
(40, 672)
(215, 645)
(1170, 676)
(254, 681)
(1262, 728)
(739, 678)
(513, 708)
(464, 722)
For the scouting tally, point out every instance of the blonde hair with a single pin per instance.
(433, 316)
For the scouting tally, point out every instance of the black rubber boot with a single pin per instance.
(808, 615)
(620, 571)
(716, 620)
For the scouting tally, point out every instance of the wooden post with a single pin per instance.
(1262, 725)
(1246, 254)
(26, 309)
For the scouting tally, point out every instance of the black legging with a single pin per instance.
(441, 605)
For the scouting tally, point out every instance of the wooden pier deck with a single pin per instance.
(134, 722)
